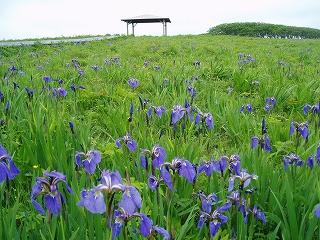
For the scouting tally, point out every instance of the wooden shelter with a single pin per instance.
(147, 19)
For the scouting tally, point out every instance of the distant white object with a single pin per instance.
(147, 19)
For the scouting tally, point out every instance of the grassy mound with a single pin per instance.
(256, 29)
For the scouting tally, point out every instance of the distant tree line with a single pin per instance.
(265, 30)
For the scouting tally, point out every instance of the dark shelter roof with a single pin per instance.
(146, 19)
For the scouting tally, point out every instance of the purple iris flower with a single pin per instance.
(146, 63)
(247, 108)
(185, 169)
(71, 126)
(220, 165)
(318, 154)
(215, 219)
(192, 91)
(207, 201)
(177, 114)
(166, 176)
(263, 142)
(292, 159)
(147, 228)
(153, 182)
(131, 110)
(196, 63)
(234, 164)
(208, 120)
(110, 182)
(258, 214)
(157, 68)
(187, 107)
(48, 186)
(88, 161)
(95, 68)
(8, 169)
(47, 79)
(157, 110)
(315, 109)
(92, 200)
(300, 128)
(1, 97)
(121, 217)
(7, 107)
(128, 141)
(133, 83)
(12, 68)
(244, 179)
(270, 103)
(267, 108)
(240, 202)
(207, 167)
(157, 154)
(131, 200)
(59, 92)
(317, 210)
(197, 118)
(310, 162)
(306, 108)
(80, 72)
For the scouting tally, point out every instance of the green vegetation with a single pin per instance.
(35, 130)
(256, 29)
(55, 38)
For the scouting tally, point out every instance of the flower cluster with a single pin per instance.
(270, 104)
(215, 218)
(244, 59)
(101, 199)
(302, 129)
(246, 108)
(76, 65)
(182, 167)
(129, 142)
(193, 114)
(263, 141)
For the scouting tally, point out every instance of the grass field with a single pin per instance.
(44, 126)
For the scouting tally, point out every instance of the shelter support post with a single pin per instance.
(133, 25)
(165, 28)
(127, 29)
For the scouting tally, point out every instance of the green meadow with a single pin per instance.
(35, 131)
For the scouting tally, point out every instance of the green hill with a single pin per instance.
(256, 29)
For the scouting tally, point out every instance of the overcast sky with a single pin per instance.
(54, 18)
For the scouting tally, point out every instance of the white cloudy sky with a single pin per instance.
(49, 18)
